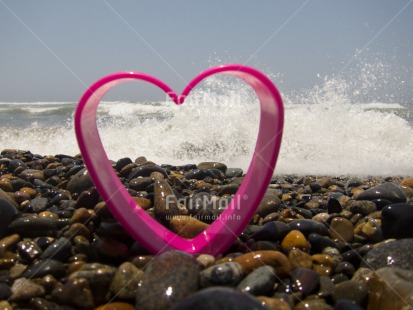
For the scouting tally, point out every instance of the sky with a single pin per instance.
(53, 50)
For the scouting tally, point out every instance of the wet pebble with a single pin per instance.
(31, 227)
(24, 289)
(388, 191)
(161, 288)
(396, 221)
(305, 281)
(272, 231)
(60, 250)
(341, 229)
(126, 281)
(295, 240)
(259, 282)
(80, 182)
(396, 253)
(219, 298)
(350, 290)
(77, 293)
(229, 274)
(308, 226)
(7, 213)
(252, 260)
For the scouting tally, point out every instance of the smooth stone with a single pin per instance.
(407, 182)
(347, 305)
(397, 221)
(269, 204)
(122, 162)
(5, 196)
(99, 277)
(165, 202)
(396, 254)
(87, 199)
(212, 165)
(300, 259)
(341, 229)
(391, 288)
(116, 306)
(388, 191)
(371, 230)
(272, 231)
(8, 212)
(365, 207)
(304, 280)
(5, 292)
(77, 293)
(125, 282)
(253, 260)
(140, 184)
(234, 172)
(274, 303)
(229, 189)
(81, 215)
(201, 207)
(319, 243)
(4, 305)
(228, 274)
(363, 275)
(38, 204)
(201, 174)
(316, 304)
(334, 206)
(350, 290)
(42, 304)
(28, 250)
(32, 174)
(186, 227)
(309, 226)
(206, 260)
(326, 287)
(24, 289)
(145, 171)
(8, 243)
(32, 227)
(16, 163)
(259, 282)
(60, 250)
(42, 268)
(80, 182)
(295, 239)
(162, 288)
(219, 298)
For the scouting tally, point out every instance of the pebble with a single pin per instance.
(145, 171)
(295, 240)
(305, 281)
(396, 253)
(274, 303)
(168, 287)
(388, 191)
(350, 290)
(234, 172)
(219, 298)
(308, 226)
(24, 289)
(272, 231)
(252, 260)
(32, 174)
(187, 226)
(116, 306)
(341, 229)
(42, 268)
(396, 221)
(345, 304)
(28, 250)
(38, 204)
(32, 227)
(229, 274)
(80, 182)
(77, 293)
(300, 259)
(140, 184)
(165, 202)
(212, 165)
(60, 250)
(363, 275)
(206, 260)
(259, 282)
(8, 212)
(269, 204)
(5, 292)
(126, 281)
(391, 288)
(316, 304)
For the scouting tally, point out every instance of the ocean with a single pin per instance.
(327, 130)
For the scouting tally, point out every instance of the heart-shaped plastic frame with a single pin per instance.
(219, 236)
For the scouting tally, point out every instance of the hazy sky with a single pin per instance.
(52, 50)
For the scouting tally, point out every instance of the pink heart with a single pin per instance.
(147, 231)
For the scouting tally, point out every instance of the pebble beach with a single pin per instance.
(315, 242)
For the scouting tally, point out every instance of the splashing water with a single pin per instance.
(335, 128)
